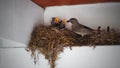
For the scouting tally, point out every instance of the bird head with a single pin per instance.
(72, 20)
(63, 21)
(56, 19)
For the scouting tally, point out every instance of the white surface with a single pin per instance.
(5, 43)
(17, 18)
(19, 58)
(92, 15)
(80, 57)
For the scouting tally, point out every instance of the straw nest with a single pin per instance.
(50, 41)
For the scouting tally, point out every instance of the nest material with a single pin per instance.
(50, 41)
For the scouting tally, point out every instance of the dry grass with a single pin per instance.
(50, 41)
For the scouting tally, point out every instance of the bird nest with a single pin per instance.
(51, 41)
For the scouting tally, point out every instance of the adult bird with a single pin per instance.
(79, 28)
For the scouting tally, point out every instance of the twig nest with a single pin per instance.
(50, 41)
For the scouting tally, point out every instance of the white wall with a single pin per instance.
(92, 15)
(17, 18)
(19, 58)
(78, 57)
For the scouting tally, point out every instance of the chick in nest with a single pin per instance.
(55, 22)
(62, 24)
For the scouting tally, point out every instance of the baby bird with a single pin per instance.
(62, 24)
(55, 22)
(79, 28)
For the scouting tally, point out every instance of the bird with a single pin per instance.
(62, 24)
(79, 28)
(55, 22)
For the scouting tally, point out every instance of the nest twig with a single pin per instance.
(50, 41)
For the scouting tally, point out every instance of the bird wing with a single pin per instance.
(86, 27)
